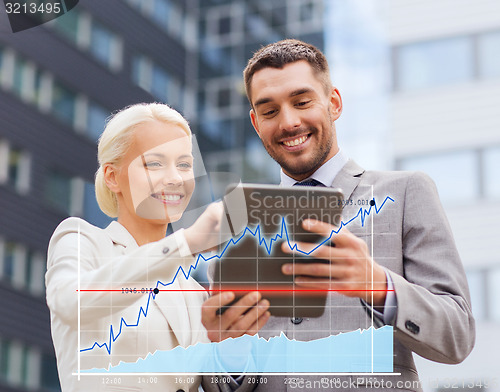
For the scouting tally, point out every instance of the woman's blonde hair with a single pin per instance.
(116, 139)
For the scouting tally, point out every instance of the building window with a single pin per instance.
(190, 34)
(278, 16)
(160, 83)
(20, 365)
(18, 82)
(106, 46)
(218, 57)
(432, 63)
(494, 285)
(223, 97)
(81, 29)
(63, 103)
(1, 59)
(58, 191)
(31, 368)
(96, 120)
(7, 68)
(22, 267)
(91, 211)
(456, 174)
(256, 27)
(37, 87)
(157, 80)
(219, 131)
(224, 24)
(101, 43)
(35, 273)
(142, 71)
(49, 377)
(15, 167)
(161, 12)
(488, 52)
(491, 174)
(4, 358)
(310, 12)
(8, 260)
(64, 193)
(164, 13)
(21, 77)
(478, 291)
(68, 25)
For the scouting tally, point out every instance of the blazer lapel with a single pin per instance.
(348, 178)
(171, 304)
(173, 307)
(120, 236)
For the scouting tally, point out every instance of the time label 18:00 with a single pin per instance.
(33, 8)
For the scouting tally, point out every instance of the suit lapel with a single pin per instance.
(173, 307)
(348, 178)
(120, 236)
(171, 304)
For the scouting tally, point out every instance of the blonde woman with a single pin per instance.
(145, 179)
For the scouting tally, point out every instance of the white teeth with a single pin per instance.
(168, 197)
(295, 142)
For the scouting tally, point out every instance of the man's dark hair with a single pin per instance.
(281, 53)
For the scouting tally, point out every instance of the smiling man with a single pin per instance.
(399, 268)
(293, 100)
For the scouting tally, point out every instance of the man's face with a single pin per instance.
(294, 117)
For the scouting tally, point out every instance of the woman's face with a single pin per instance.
(155, 177)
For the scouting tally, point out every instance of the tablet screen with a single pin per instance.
(270, 215)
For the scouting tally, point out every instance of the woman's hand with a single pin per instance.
(247, 316)
(204, 234)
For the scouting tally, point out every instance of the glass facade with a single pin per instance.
(96, 120)
(460, 175)
(447, 61)
(15, 167)
(68, 25)
(489, 55)
(21, 367)
(64, 104)
(39, 88)
(101, 43)
(91, 210)
(455, 173)
(494, 284)
(157, 80)
(230, 33)
(491, 172)
(9, 258)
(167, 15)
(89, 35)
(22, 268)
(433, 63)
(58, 191)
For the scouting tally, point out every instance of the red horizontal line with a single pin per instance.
(236, 290)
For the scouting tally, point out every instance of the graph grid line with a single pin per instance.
(362, 214)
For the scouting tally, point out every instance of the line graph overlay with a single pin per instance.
(362, 215)
(274, 355)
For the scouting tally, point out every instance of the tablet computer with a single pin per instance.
(259, 218)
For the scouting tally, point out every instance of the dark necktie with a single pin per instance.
(309, 182)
